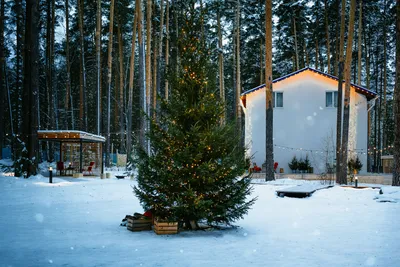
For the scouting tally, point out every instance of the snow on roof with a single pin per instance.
(66, 135)
(362, 90)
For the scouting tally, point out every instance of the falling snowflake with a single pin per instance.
(39, 217)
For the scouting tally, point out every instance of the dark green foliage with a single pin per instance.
(294, 165)
(192, 171)
(304, 164)
(354, 164)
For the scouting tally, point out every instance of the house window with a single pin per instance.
(331, 99)
(277, 99)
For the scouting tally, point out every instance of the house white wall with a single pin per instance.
(304, 122)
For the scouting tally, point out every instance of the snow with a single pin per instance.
(389, 194)
(75, 222)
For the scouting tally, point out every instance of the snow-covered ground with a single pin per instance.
(75, 222)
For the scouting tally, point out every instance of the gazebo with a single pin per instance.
(78, 143)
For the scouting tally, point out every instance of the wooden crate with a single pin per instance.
(165, 228)
(141, 224)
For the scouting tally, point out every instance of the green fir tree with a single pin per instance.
(193, 171)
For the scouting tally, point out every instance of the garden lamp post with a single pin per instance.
(50, 175)
(356, 181)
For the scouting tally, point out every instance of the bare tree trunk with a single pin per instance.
(359, 44)
(396, 150)
(269, 123)
(98, 61)
(340, 95)
(82, 103)
(148, 58)
(16, 95)
(131, 78)
(142, 75)
(262, 62)
(295, 43)
(157, 83)
(122, 147)
(328, 49)
(238, 74)
(49, 76)
(52, 65)
(306, 52)
(347, 77)
(31, 89)
(385, 115)
(167, 49)
(221, 65)
(68, 83)
(109, 80)
(2, 78)
(316, 53)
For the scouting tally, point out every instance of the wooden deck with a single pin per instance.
(300, 191)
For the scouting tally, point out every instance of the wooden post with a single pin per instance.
(101, 156)
(80, 156)
(60, 152)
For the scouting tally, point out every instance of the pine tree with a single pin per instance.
(396, 168)
(191, 173)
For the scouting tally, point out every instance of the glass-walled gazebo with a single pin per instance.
(80, 152)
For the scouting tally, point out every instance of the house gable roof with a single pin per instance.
(359, 89)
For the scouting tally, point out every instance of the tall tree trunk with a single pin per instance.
(68, 82)
(306, 52)
(328, 48)
(17, 96)
(359, 43)
(167, 49)
(380, 125)
(98, 61)
(295, 42)
(31, 89)
(116, 92)
(337, 40)
(109, 80)
(396, 150)
(238, 74)
(262, 62)
(52, 65)
(82, 94)
(269, 122)
(346, 109)
(148, 59)
(340, 95)
(154, 73)
(2, 78)
(131, 79)
(385, 115)
(221, 65)
(49, 83)
(316, 53)
(49, 78)
(160, 49)
(376, 121)
(142, 75)
(122, 148)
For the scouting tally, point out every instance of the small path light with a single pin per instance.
(50, 175)
(356, 181)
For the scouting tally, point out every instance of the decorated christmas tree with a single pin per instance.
(193, 170)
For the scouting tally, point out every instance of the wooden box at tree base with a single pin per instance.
(138, 224)
(165, 228)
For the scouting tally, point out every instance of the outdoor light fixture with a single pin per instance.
(50, 175)
(356, 181)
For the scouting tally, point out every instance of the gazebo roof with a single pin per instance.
(69, 136)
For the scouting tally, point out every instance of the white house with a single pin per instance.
(305, 113)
